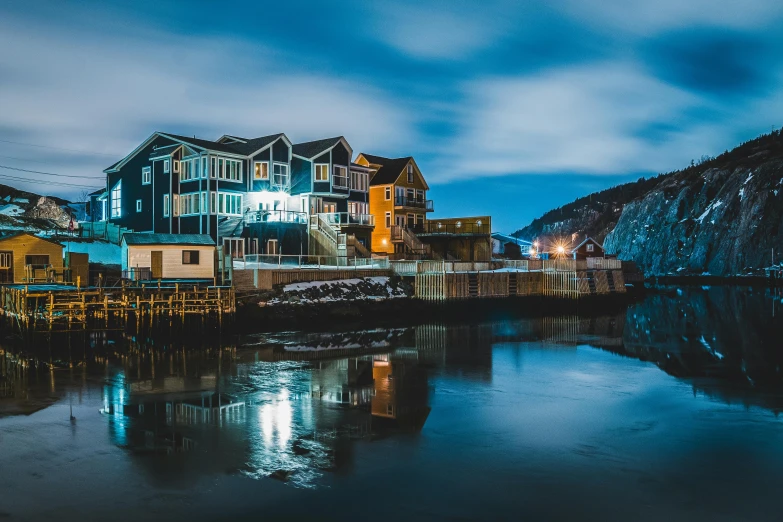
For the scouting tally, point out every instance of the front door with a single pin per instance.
(156, 260)
(400, 220)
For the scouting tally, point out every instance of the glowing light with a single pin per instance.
(560, 249)
(383, 241)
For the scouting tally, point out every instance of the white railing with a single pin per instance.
(601, 263)
(340, 181)
(326, 228)
(272, 261)
(346, 218)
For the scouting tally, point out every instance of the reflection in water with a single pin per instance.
(293, 406)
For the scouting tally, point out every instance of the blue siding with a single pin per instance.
(301, 176)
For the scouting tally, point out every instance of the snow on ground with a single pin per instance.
(358, 289)
(98, 251)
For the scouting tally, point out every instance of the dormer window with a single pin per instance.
(589, 247)
(146, 176)
(410, 173)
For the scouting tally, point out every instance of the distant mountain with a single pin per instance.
(722, 216)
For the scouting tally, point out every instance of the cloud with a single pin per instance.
(587, 119)
(79, 89)
(647, 18)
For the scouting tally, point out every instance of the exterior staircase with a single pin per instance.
(591, 281)
(610, 280)
(326, 240)
(413, 245)
(473, 284)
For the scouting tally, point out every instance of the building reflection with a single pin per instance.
(296, 406)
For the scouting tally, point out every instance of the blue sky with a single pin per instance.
(510, 108)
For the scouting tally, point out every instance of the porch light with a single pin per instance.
(459, 224)
(561, 249)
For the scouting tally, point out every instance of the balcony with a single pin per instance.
(455, 228)
(346, 219)
(275, 216)
(340, 182)
(421, 204)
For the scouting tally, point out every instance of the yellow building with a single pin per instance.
(25, 258)
(398, 200)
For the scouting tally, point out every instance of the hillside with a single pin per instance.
(22, 210)
(594, 215)
(722, 216)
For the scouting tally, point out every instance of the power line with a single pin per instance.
(57, 183)
(60, 148)
(49, 173)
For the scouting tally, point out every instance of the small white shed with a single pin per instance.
(168, 256)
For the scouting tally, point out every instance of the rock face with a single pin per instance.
(723, 219)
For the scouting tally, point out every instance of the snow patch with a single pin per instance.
(750, 177)
(713, 205)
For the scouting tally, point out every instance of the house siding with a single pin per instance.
(141, 256)
(25, 244)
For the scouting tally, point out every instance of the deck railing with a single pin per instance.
(347, 219)
(404, 201)
(307, 262)
(275, 216)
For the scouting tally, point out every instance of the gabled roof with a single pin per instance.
(202, 144)
(97, 192)
(590, 239)
(168, 239)
(15, 234)
(311, 149)
(390, 169)
(254, 145)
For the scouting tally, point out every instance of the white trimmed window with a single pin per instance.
(387, 193)
(280, 175)
(359, 181)
(138, 205)
(176, 166)
(190, 169)
(214, 165)
(175, 204)
(340, 177)
(229, 203)
(204, 167)
(190, 204)
(146, 176)
(410, 173)
(322, 172)
(261, 170)
(166, 166)
(116, 200)
(589, 247)
(388, 220)
(166, 198)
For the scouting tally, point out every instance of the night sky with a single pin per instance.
(510, 108)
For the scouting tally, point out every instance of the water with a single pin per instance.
(666, 411)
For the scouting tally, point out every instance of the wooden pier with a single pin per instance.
(63, 308)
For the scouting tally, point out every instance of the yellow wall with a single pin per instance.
(25, 244)
(381, 237)
(140, 256)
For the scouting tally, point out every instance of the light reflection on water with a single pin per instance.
(304, 409)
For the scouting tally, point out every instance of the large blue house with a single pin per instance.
(261, 195)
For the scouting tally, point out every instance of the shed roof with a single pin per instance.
(168, 239)
(21, 233)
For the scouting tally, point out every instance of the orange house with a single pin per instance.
(398, 200)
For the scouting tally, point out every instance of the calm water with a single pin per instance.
(667, 411)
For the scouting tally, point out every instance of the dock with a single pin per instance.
(30, 308)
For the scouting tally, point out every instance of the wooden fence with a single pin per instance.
(265, 279)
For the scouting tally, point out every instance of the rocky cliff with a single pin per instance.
(723, 217)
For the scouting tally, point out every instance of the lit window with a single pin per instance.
(261, 170)
(116, 200)
(146, 176)
(322, 172)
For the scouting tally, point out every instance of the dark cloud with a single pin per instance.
(714, 61)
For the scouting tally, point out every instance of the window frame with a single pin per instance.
(411, 177)
(138, 205)
(286, 181)
(325, 170)
(190, 257)
(27, 260)
(116, 210)
(388, 220)
(590, 247)
(146, 175)
(166, 166)
(258, 175)
(387, 194)
(166, 205)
